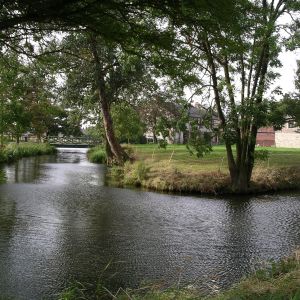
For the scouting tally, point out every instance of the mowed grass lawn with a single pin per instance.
(177, 156)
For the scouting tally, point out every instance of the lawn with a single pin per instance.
(214, 161)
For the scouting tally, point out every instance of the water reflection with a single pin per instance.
(2, 175)
(58, 221)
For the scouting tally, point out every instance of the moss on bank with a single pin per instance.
(13, 151)
(277, 280)
(174, 170)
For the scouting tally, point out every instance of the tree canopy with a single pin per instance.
(111, 54)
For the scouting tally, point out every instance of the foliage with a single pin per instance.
(127, 123)
(234, 60)
(103, 78)
(97, 155)
(199, 141)
(262, 155)
(135, 173)
(162, 144)
(14, 151)
(18, 118)
(226, 51)
(129, 150)
(285, 110)
(95, 132)
(28, 92)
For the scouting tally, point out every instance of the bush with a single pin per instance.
(162, 144)
(129, 150)
(136, 173)
(97, 155)
(261, 155)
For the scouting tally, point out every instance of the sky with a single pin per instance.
(288, 71)
(288, 60)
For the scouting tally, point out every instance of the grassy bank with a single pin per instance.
(280, 281)
(13, 151)
(175, 170)
(97, 155)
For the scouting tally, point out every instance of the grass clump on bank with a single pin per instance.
(14, 151)
(97, 155)
(277, 280)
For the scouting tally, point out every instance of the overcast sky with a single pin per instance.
(288, 60)
(288, 71)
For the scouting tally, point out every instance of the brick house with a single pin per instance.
(287, 137)
(265, 137)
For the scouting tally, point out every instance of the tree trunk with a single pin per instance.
(18, 139)
(119, 154)
(240, 180)
(109, 154)
(154, 130)
(116, 149)
(154, 137)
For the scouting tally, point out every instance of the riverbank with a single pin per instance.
(277, 280)
(175, 170)
(13, 151)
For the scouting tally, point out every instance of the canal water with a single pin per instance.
(59, 222)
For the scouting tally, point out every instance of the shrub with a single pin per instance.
(162, 144)
(97, 155)
(136, 173)
(261, 155)
(129, 150)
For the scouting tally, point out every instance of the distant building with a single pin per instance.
(287, 137)
(195, 114)
(266, 137)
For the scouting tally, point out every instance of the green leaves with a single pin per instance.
(127, 123)
(286, 110)
(199, 143)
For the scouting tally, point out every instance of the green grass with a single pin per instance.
(214, 161)
(97, 155)
(276, 281)
(13, 151)
(175, 169)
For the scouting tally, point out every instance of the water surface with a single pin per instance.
(59, 222)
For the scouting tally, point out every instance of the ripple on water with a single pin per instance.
(58, 221)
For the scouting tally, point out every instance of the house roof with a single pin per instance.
(199, 112)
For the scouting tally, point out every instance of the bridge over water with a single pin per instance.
(69, 141)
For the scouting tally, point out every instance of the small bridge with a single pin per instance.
(72, 142)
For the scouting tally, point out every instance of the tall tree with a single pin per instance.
(100, 75)
(234, 60)
(14, 116)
